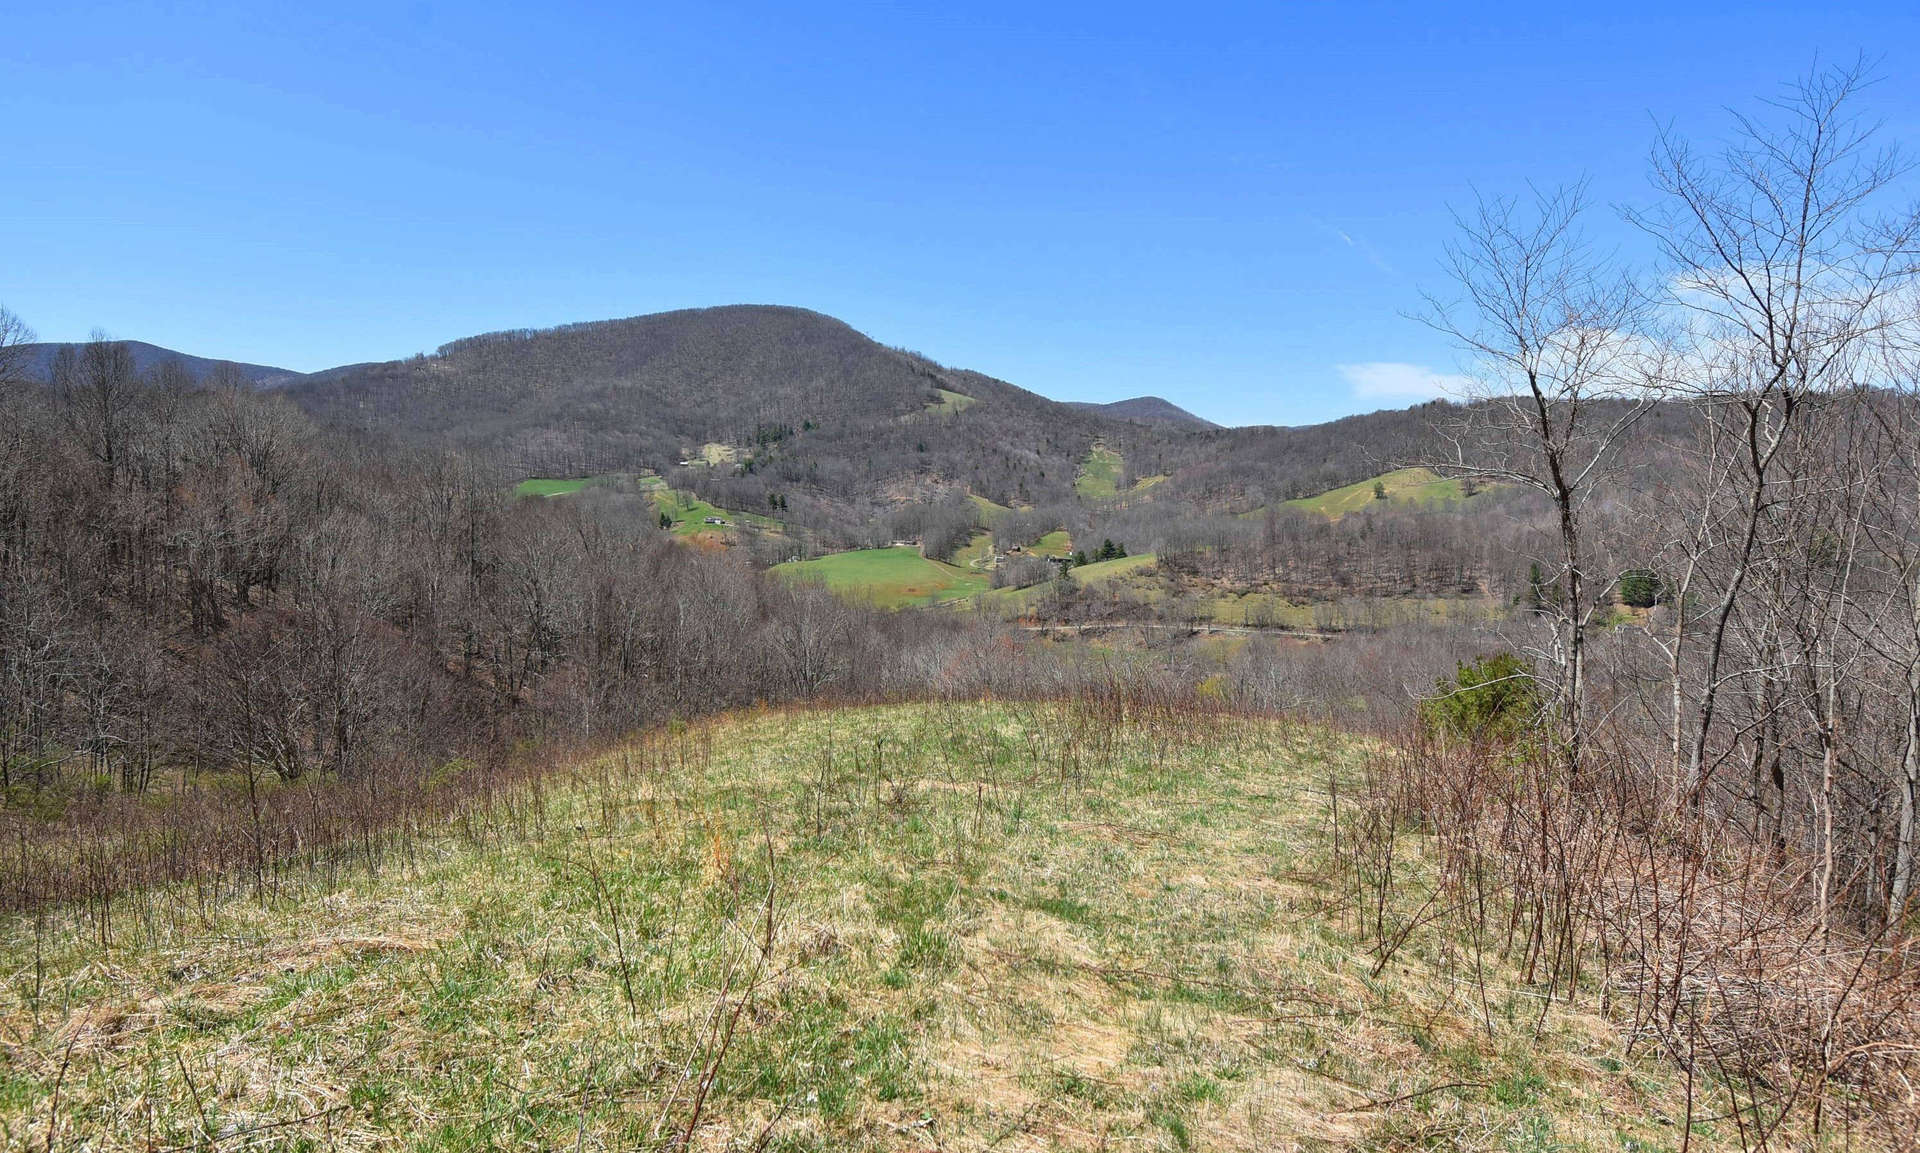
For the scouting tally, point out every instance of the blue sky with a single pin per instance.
(1230, 206)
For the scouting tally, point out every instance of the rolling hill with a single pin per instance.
(147, 357)
(757, 406)
(1150, 410)
(804, 401)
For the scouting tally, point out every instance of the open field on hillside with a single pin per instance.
(913, 927)
(1055, 543)
(1417, 487)
(554, 486)
(977, 556)
(1134, 579)
(951, 402)
(889, 577)
(1100, 574)
(689, 513)
(988, 509)
(1099, 476)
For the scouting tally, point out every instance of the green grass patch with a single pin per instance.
(989, 510)
(1099, 475)
(888, 577)
(977, 556)
(1101, 575)
(1407, 487)
(555, 486)
(1055, 543)
(689, 513)
(951, 402)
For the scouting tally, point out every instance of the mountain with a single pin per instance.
(1147, 410)
(146, 357)
(758, 406)
(794, 400)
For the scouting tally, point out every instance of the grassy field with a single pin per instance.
(1100, 574)
(951, 402)
(889, 577)
(969, 927)
(1055, 543)
(1099, 476)
(554, 486)
(977, 556)
(1418, 487)
(988, 509)
(689, 513)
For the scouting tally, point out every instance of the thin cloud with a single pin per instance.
(1392, 380)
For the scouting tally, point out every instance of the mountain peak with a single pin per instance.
(1147, 410)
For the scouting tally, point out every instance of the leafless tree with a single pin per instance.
(1562, 372)
(14, 337)
(1787, 276)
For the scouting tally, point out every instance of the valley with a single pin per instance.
(720, 729)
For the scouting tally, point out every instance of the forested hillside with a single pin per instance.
(39, 361)
(1147, 410)
(800, 402)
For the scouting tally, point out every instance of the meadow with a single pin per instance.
(965, 927)
(554, 486)
(894, 577)
(1099, 476)
(1416, 487)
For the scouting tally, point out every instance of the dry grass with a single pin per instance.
(991, 927)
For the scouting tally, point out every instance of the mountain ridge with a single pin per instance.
(1152, 410)
(38, 360)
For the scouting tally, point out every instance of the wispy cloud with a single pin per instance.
(1391, 380)
(1358, 244)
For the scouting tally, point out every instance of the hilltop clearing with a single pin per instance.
(959, 927)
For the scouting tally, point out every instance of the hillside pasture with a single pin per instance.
(989, 510)
(1406, 487)
(689, 513)
(555, 486)
(951, 402)
(1099, 475)
(1106, 574)
(1055, 543)
(897, 577)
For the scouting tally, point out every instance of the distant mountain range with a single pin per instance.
(1146, 410)
(147, 357)
(796, 409)
(1152, 410)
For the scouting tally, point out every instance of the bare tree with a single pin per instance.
(1786, 278)
(14, 337)
(1562, 372)
(98, 394)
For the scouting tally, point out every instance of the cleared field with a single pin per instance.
(988, 509)
(689, 513)
(1099, 476)
(1055, 543)
(963, 927)
(889, 577)
(554, 486)
(715, 453)
(1418, 487)
(1101, 574)
(978, 555)
(951, 402)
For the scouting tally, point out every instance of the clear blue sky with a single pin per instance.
(1230, 206)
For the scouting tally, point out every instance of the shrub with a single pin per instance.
(1640, 588)
(1494, 698)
